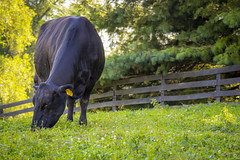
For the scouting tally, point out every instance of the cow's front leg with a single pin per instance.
(70, 105)
(83, 116)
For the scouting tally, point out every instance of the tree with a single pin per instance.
(16, 79)
(43, 10)
(211, 27)
(152, 36)
(15, 26)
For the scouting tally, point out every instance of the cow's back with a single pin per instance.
(67, 35)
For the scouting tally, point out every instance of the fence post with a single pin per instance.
(163, 84)
(218, 86)
(114, 108)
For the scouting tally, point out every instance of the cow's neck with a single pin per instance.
(62, 71)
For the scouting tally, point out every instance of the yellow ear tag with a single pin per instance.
(69, 92)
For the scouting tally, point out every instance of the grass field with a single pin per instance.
(196, 132)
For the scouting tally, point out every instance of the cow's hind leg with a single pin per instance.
(70, 105)
(84, 103)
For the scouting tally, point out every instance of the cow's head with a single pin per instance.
(49, 104)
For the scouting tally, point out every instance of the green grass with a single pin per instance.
(196, 132)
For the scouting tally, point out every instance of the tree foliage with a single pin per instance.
(16, 78)
(15, 26)
(173, 59)
(43, 10)
(172, 32)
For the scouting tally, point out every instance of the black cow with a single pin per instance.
(69, 59)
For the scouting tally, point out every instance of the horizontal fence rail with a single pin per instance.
(116, 92)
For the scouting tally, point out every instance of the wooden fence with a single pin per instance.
(120, 92)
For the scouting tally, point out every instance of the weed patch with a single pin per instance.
(196, 132)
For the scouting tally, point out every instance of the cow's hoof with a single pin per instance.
(70, 119)
(83, 122)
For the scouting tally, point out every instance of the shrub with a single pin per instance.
(16, 79)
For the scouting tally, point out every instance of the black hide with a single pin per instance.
(69, 55)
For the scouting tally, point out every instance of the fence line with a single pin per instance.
(162, 89)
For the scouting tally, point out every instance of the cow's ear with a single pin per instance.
(66, 89)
